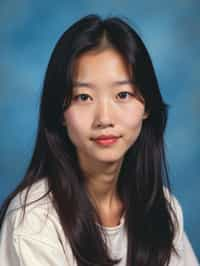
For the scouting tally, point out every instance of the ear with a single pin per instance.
(145, 115)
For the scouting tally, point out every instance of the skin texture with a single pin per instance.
(103, 106)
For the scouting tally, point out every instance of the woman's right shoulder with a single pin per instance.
(30, 197)
(29, 209)
(37, 231)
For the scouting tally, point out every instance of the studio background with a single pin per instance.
(171, 31)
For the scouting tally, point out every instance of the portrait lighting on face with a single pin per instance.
(94, 191)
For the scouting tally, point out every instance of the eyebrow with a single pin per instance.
(91, 85)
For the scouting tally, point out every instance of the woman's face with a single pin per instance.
(103, 104)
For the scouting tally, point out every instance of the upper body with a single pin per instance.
(39, 238)
(100, 145)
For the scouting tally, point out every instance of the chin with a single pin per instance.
(108, 158)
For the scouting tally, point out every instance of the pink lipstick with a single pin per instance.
(106, 140)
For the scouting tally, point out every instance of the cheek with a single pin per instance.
(134, 116)
(75, 124)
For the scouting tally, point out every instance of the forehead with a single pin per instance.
(106, 64)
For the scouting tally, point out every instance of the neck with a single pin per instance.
(101, 182)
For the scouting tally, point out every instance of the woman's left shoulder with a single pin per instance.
(182, 245)
(176, 214)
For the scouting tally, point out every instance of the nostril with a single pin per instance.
(103, 125)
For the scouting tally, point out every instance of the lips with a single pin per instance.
(106, 137)
(106, 140)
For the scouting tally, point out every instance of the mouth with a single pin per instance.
(106, 137)
(106, 140)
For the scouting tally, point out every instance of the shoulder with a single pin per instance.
(177, 217)
(33, 200)
(174, 204)
(38, 233)
(39, 220)
(31, 194)
(182, 245)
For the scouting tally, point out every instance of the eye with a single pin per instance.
(125, 94)
(83, 97)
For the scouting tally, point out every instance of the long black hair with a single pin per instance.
(149, 221)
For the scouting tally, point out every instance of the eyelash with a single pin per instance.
(77, 97)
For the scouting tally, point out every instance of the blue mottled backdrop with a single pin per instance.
(171, 31)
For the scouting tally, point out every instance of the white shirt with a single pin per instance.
(38, 240)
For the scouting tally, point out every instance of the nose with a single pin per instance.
(103, 115)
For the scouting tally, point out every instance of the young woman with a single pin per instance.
(93, 193)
